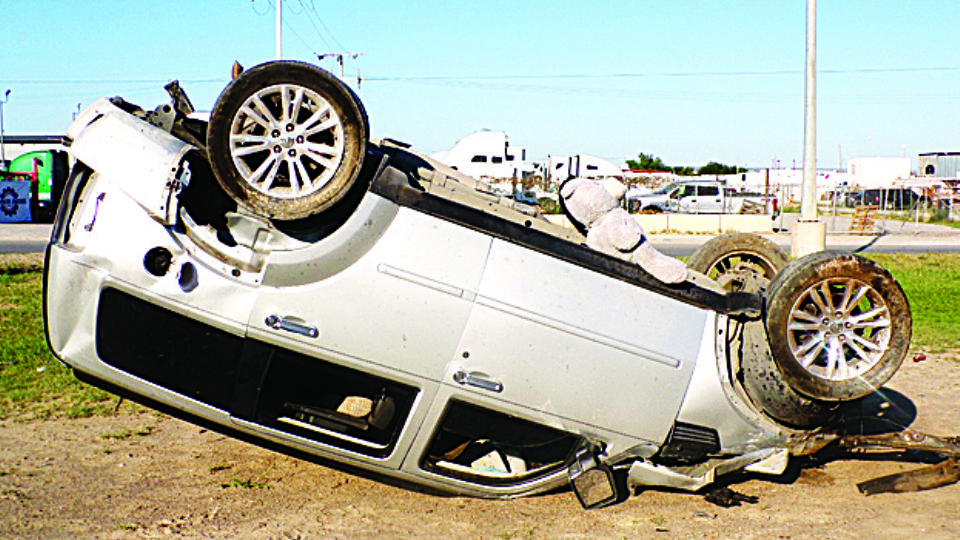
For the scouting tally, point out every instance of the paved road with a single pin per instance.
(897, 237)
(23, 237)
(890, 237)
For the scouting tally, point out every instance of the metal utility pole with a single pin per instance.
(3, 148)
(810, 234)
(339, 57)
(278, 32)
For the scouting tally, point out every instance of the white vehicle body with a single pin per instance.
(487, 155)
(580, 166)
(420, 328)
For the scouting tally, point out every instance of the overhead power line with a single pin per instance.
(111, 81)
(663, 74)
(312, 15)
(559, 76)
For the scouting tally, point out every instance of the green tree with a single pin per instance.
(647, 162)
(719, 168)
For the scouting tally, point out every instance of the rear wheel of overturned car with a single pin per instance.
(764, 383)
(839, 326)
(287, 139)
(739, 261)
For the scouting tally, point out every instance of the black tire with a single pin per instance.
(739, 261)
(766, 387)
(287, 166)
(839, 326)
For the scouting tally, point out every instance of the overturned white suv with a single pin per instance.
(276, 275)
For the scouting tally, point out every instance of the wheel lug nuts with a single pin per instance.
(300, 139)
(292, 153)
(277, 149)
(275, 133)
(289, 128)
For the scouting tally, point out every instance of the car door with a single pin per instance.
(685, 199)
(360, 327)
(571, 343)
(709, 200)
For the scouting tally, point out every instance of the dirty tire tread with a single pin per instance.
(342, 100)
(764, 383)
(739, 245)
(798, 277)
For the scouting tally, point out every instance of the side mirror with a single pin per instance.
(591, 480)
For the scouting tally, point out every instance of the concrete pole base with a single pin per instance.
(809, 236)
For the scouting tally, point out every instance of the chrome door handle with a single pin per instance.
(284, 323)
(89, 226)
(478, 380)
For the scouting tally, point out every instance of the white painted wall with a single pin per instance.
(877, 172)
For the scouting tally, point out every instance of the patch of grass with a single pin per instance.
(33, 384)
(127, 433)
(14, 493)
(931, 282)
(21, 263)
(220, 467)
(931, 217)
(249, 483)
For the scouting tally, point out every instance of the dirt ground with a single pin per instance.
(149, 476)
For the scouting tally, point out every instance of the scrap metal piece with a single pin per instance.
(907, 439)
(727, 498)
(941, 474)
(181, 102)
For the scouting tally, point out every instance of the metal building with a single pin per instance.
(939, 164)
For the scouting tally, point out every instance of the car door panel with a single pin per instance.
(402, 305)
(576, 344)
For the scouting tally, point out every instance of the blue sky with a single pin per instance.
(688, 81)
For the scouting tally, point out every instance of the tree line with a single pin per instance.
(648, 162)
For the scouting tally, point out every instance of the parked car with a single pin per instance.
(277, 275)
(703, 197)
(893, 198)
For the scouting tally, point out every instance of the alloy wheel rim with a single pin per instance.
(742, 272)
(839, 328)
(286, 141)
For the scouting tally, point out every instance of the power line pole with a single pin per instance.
(339, 58)
(3, 150)
(809, 234)
(278, 31)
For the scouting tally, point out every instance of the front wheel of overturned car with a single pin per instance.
(739, 261)
(839, 326)
(287, 139)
